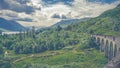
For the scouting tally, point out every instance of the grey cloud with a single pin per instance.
(55, 16)
(11, 15)
(102, 1)
(63, 17)
(16, 5)
(59, 16)
(23, 1)
(24, 19)
(65, 2)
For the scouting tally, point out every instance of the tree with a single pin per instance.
(1, 50)
(69, 27)
(5, 64)
(20, 35)
(0, 32)
(90, 31)
(92, 43)
(117, 26)
(59, 28)
(33, 32)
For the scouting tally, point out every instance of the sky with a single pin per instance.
(45, 13)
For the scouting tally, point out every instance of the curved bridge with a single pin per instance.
(110, 46)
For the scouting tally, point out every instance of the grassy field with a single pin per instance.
(64, 59)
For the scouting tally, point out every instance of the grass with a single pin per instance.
(82, 59)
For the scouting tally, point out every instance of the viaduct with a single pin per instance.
(110, 46)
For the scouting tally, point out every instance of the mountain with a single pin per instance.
(70, 21)
(107, 23)
(7, 25)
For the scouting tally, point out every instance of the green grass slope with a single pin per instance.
(107, 23)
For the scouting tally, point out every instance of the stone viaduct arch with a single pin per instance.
(110, 46)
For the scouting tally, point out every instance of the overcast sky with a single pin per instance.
(48, 12)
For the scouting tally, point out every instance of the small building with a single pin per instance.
(6, 54)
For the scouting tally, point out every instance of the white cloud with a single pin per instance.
(90, 9)
(43, 16)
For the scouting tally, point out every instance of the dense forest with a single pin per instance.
(51, 39)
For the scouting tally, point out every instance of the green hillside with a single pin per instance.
(107, 23)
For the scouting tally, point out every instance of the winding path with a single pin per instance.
(33, 55)
(23, 58)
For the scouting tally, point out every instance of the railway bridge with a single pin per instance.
(110, 46)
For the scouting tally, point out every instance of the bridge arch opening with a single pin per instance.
(106, 49)
(118, 65)
(102, 45)
(98, 41)
(111, 51)
(115, 50)
(119, 49)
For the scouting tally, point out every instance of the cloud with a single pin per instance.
(48, 12)
(23, 19)
(102, 1)
(56, 16)
(11, 15)
(84, 8)
(16, 5)
(59, 16)
(63, 17)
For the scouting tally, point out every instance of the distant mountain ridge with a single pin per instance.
(70, 21)
(7, 25)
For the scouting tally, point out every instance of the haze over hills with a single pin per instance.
(64, 23)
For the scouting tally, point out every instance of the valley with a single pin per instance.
(63, 45)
